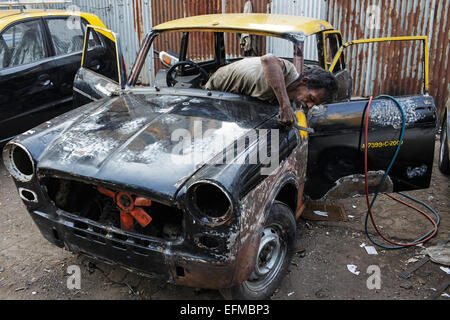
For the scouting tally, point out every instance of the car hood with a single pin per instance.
(152, 143)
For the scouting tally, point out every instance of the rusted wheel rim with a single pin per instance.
(271, 253)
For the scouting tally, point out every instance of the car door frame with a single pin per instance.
(345, 145)
(424, 39)
(91, 86)
(322, 41)
(69, 97)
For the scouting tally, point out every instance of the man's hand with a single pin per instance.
(287, 116)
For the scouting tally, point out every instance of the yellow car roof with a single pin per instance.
(10, 16)
(264, 24)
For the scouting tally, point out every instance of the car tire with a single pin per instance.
(274, 257)
(444, 164)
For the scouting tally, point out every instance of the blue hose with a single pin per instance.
(394, 158)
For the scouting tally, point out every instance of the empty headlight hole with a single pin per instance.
(22, 161)
(18, 162)
(211, 201)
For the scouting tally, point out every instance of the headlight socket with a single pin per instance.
(18, 162)
(209, 203)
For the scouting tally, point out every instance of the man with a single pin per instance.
(274, 80)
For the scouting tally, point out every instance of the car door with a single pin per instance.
(102, 71)
(66, 38)
(337, 148)
(27, 77)
(329, 43)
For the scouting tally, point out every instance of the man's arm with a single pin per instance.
(273, 71)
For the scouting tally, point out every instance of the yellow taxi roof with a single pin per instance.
(265, 24)
(9, 16)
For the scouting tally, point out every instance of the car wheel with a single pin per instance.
(444, 164)
(273, 259)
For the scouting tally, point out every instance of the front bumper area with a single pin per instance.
(160, 259)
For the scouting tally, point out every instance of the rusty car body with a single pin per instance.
(104, 180)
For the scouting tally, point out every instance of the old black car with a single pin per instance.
(201, 187)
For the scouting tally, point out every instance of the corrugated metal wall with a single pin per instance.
(201, 45)
(307, 8)
(395, 68)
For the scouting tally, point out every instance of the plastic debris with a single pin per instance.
(370, 250)
(439, 253)
(352, 268)
(321, 213)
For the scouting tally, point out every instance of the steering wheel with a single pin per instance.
(171, 80)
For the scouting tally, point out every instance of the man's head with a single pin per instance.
(313, 87)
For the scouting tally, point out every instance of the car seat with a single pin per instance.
(30, 49)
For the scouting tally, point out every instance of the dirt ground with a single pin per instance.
(32, 268)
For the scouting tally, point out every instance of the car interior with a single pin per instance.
(29, 47)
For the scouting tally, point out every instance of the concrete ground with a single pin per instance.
(32, 268)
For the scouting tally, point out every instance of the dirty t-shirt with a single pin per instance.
(246, 77)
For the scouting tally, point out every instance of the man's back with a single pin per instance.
(246, 77)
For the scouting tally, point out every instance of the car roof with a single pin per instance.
(255, 23)
(9, 16)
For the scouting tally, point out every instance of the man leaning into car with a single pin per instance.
(272, 79)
